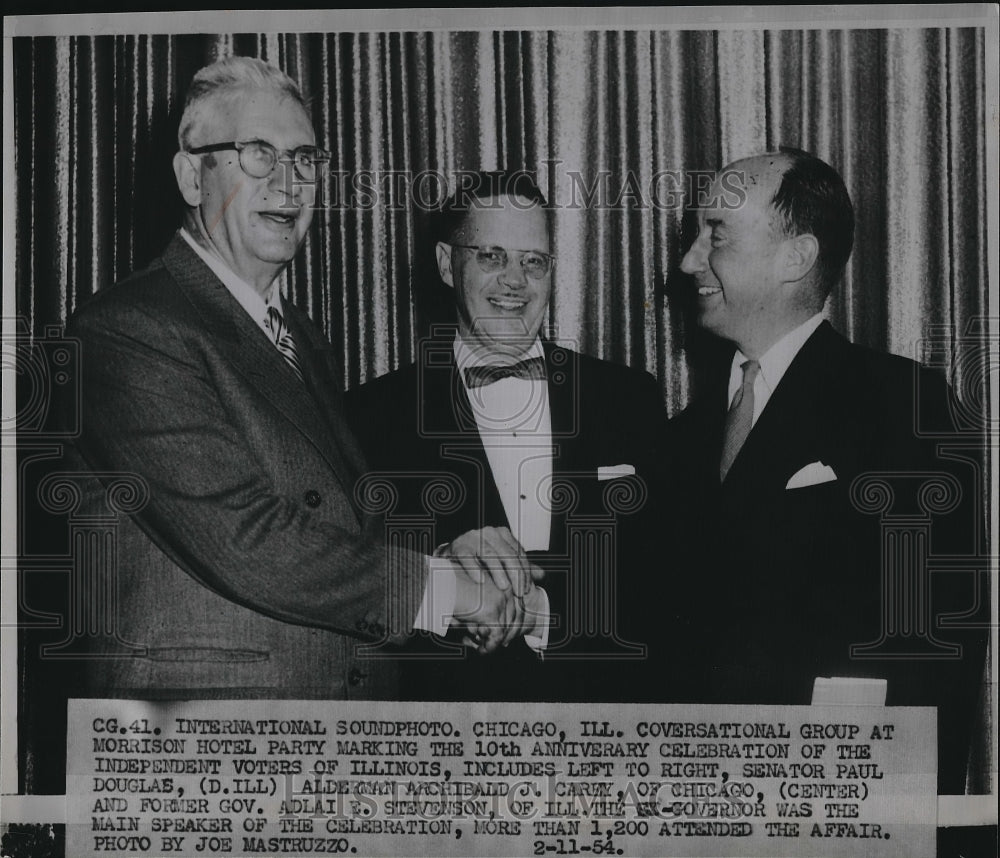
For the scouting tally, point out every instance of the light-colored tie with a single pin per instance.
(739, 420)
(283, 339)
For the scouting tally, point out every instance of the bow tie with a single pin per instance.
(478, 376)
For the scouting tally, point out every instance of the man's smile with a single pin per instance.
(508, 303)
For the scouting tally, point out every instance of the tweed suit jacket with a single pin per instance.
(250, 570)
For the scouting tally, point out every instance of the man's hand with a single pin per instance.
(494, 550)
(491, 616)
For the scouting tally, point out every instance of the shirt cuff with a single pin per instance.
(437, 608)
(538, 638)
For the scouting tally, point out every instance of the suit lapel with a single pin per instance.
(319, 369)
(562, 375)
(568, 439)
(247, 349)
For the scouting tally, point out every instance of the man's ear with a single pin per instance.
(799, 258)
(187, 171)
(444, 263)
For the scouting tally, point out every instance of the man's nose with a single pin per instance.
(513, 274)
(282, 179)
(696, 258)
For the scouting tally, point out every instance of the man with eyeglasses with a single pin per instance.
(555, 453)
(248, 568)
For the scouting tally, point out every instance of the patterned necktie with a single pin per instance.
(283, 339)
(478, 376)
(739, 419)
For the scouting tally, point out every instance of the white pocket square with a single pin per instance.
(811, 475)
(612, 472)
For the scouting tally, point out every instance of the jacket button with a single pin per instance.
(313, 498)
(361, 626)
(356, 677)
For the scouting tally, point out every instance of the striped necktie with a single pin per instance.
(739, 420)
(283, 339)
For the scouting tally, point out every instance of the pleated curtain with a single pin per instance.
(613, 123)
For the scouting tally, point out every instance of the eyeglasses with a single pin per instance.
(258, 158)
(492, 259)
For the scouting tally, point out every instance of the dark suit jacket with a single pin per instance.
(792, 578)
(250, 571)
(416, 424)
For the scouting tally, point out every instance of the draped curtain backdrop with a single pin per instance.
(606, 118)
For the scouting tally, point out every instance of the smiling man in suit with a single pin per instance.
(555, 451)
(785, 462)
(248, 567)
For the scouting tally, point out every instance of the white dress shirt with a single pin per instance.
(773, 365)
(515, 426)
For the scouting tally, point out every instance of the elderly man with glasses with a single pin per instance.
(247, 567)
(555, 451)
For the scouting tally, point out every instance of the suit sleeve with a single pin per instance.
(151, 407)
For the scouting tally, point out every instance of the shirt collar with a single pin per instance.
(248, 297)
(776, 360)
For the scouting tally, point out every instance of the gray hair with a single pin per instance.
(228, 77)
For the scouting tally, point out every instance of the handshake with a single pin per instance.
(496, 597)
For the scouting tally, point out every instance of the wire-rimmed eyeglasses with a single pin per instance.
(492, 258)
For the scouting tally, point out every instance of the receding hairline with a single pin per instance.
(770, 166)
(762, 177)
